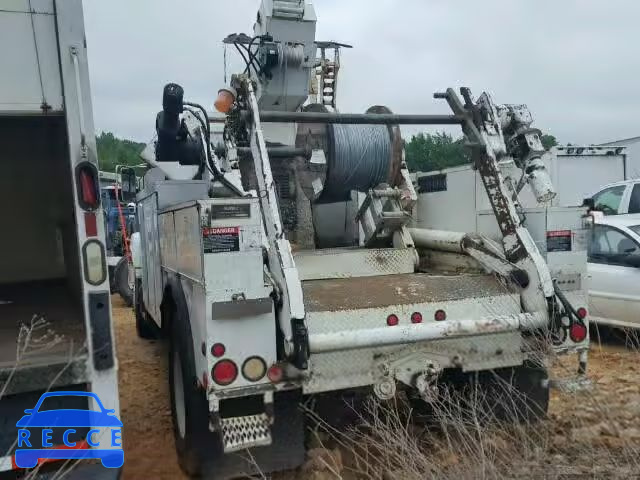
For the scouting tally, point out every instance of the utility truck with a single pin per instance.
(280, 263)
(55, 313)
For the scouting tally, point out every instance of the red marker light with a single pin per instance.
(275, 373)
(393, 320)
(218, 350)
(582, 313)
(440, 315)
(416, 317)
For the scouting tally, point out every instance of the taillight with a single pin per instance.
(393, 320)
(90, 224)
(224, 372)
(275, 373)
(440, 315)
(416, 317)
(578, 332)
(218, 350)
(95, 265)
(87, 184)
(582, 313)
(254, 368)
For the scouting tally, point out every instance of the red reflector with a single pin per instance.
(578, 332)
(90, 224)
(393, 320)
(275, 373)
(582, 313)
(440, 315)
(88, 189)
(224, 372)
(218, 350)
(416, 317)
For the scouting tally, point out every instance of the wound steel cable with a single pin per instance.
(360, 160)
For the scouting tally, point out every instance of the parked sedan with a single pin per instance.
(614, 271)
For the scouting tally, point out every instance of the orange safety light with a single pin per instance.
(226, 98)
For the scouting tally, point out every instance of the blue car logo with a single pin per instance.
(59, 433)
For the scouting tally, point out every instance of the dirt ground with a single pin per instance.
(597, 423)
(145, 410)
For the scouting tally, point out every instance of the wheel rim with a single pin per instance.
(178, 394)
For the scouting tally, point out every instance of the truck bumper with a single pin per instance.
(397, 335)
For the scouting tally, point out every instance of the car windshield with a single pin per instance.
(67, 402)
(635, 229)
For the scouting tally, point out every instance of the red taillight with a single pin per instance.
(393, 320)
(90, 224)
(416, 317)
(224, 372)
(218, 350)
(440, 315)
(578, 332)
(88, 194)
(275, 373)
(582, 313)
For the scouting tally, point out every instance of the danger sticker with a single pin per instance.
(220, 239)
(559, 241)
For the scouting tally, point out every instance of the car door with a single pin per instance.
(614, 288)
(634, 199)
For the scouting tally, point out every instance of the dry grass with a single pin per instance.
(587, 434)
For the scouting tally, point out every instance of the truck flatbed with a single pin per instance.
(404, 289)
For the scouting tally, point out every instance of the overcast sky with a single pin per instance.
(576, 63)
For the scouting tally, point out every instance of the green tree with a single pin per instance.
(548, 141)
(428, 152)
(114, 151)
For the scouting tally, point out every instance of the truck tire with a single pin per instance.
(194, 443)
(144, 325)
(123, 285)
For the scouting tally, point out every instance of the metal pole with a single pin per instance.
(274, 152)
(355, 118)
(402, 335)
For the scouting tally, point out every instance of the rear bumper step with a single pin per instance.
(249, 431)
(397, 335)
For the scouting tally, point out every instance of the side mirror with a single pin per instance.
(128, 184)
(632, 261)
(589, 203)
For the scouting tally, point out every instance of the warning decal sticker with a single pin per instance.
(220, 239)
(559, 241)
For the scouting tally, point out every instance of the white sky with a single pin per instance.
(574, 62)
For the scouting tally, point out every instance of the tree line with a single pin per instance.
(114, 151)
(426, 152)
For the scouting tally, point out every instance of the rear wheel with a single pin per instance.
(189, 408)
(144, 325)
(123, 281)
